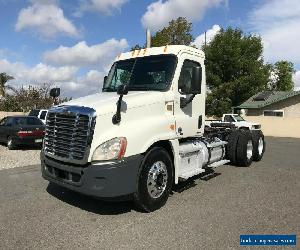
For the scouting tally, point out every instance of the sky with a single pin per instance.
(72, 43)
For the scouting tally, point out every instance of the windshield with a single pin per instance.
(34, 112)
(238, 118)
(142, 73)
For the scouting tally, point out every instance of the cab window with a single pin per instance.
(185, 79)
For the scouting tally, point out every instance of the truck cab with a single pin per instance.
(143, 133)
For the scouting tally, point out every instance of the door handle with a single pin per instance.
(200, 122)
(180, 131)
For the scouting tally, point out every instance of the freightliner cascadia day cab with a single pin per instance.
(144, 132)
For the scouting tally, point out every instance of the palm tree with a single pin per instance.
(4, 78)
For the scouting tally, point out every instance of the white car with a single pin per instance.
(39, 113)
(236, 120)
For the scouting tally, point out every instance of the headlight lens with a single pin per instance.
(113, 149)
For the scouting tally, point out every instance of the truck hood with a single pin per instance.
(106, 102)
(246, 123)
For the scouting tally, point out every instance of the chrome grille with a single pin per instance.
(69, 133)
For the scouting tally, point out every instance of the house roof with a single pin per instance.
(266, 98)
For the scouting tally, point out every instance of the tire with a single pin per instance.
(155, 180)
(231, 146)
(244, 150)
(259, 145)
(10, 143)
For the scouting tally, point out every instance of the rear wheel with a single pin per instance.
(259, 145)
(155, 180)
(231, 146)
(10, 143)
(244, 150)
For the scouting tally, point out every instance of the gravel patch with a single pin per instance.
(20, 157)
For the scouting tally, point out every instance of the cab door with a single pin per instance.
(189, 108)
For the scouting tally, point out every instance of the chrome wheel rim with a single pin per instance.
(9, 143)
(157, 179)
(260, 145)
(249, 149)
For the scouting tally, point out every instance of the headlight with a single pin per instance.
(113, 149)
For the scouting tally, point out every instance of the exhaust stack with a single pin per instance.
(148, 38)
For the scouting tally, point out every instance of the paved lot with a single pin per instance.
(208, 214)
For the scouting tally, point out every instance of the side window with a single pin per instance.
(9, 121)
(43, 115)
(186, 75)
(3, 121)
(33, 121)
(34, 112)
(228, 118)
(20, 121)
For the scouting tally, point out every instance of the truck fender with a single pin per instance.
(173, 146)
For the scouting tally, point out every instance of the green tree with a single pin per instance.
(283, 76)
(4, 78)
(178, 32)
(235, 70)
(25, 99)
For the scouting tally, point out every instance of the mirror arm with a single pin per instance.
(185, 101)
(117, 116)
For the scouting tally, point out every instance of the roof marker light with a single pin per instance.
(165, 49)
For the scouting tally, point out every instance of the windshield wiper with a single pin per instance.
(109, 89)
(139, 88)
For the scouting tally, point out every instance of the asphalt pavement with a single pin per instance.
(203, 213)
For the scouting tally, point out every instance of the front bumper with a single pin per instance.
(101, 180)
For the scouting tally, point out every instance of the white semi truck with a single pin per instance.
(144, 133)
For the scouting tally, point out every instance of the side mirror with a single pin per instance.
(196, 80)
(55, 92)
(122, 90)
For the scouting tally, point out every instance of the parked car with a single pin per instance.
(39, 113)
(237, 121)
(21, 130)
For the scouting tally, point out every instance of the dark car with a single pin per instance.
(21, 130)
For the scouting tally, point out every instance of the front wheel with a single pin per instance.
(10, 143)
(155, 180)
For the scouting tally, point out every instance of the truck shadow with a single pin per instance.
(89, 204)
(119, 206)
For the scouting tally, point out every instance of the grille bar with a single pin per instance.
(69, 133)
